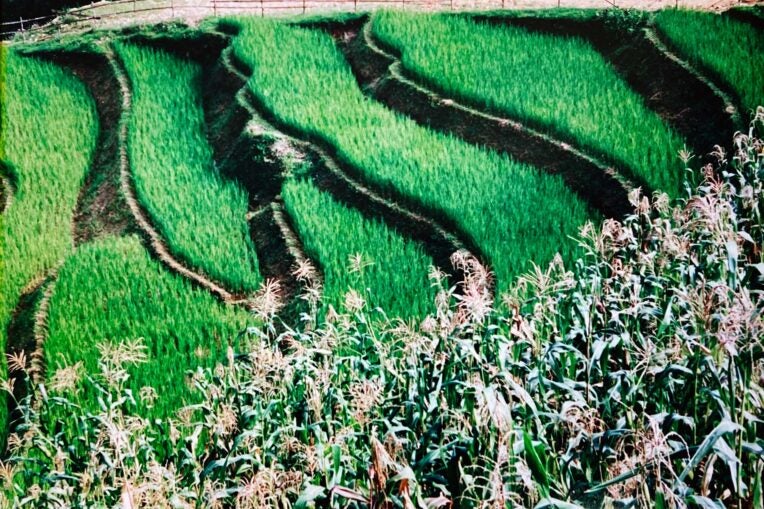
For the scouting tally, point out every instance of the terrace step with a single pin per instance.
(382, 75)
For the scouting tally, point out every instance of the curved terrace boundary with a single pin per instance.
(26, 332)
(729, 98)
(101, 207)
(346, 184)
(381, 73)
(683, 99)
(153, 239)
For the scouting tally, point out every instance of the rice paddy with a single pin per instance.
(574, 328)
(302, 78)
(722, 46)
(558, 83)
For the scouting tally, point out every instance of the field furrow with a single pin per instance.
(725, 49)
(291, 181)
(49, 132)
(382, 75)
(678, 96)
(514, 214)
(201, 216)
(559, 85)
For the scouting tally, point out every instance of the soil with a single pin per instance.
(756, 20)
(21, 338)
(595, 183)
(264, 173)
(682, 100)
(101, 207)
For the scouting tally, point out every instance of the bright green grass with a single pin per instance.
(514, 213)
(729, 48)
(561, 84)
(112, 291)
(49, 129)
(201, 216)
(332, 233)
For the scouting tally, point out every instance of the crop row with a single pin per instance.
(112, 292)
(357, 253)
(49, 130)
(514, 214)
(729, 48)
(201, 216)
(560, 84)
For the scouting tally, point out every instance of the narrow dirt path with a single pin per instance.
(382, 75)
(26, 333)
(727, 98)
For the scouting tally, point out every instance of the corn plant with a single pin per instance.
(560, 84)
(512, 212)
(634, 379)
(359, 253)
(201, 215)
(111, 292)
(727, 47)
(49, 129)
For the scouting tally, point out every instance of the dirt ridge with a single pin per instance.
(679, 97)
(152, 236)
(393, 199)
(728, 98)
(382, 75)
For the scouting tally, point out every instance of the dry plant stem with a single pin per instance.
(731, 109)
(155, 241)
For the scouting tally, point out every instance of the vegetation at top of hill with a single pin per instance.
(302, 78)
(559, 83)
(726, 47)
(49, 130)
(201, 215)
(635, 377)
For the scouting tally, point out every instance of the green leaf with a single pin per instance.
(726, 426)
(310, 494)
(536, 465)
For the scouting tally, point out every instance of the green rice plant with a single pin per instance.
(112, 292)
(515, 214)
(730, 49)
(49, 128)
(634, 381)
(201, 215)
(360, 254)
(560, 85)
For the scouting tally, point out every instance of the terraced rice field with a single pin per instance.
(221, 190)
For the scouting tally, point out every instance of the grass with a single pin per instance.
(49, 131)
(301, 77)
(561, 85)
(201, 216)
(386, 265)
(730, 49)
(111, 291)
